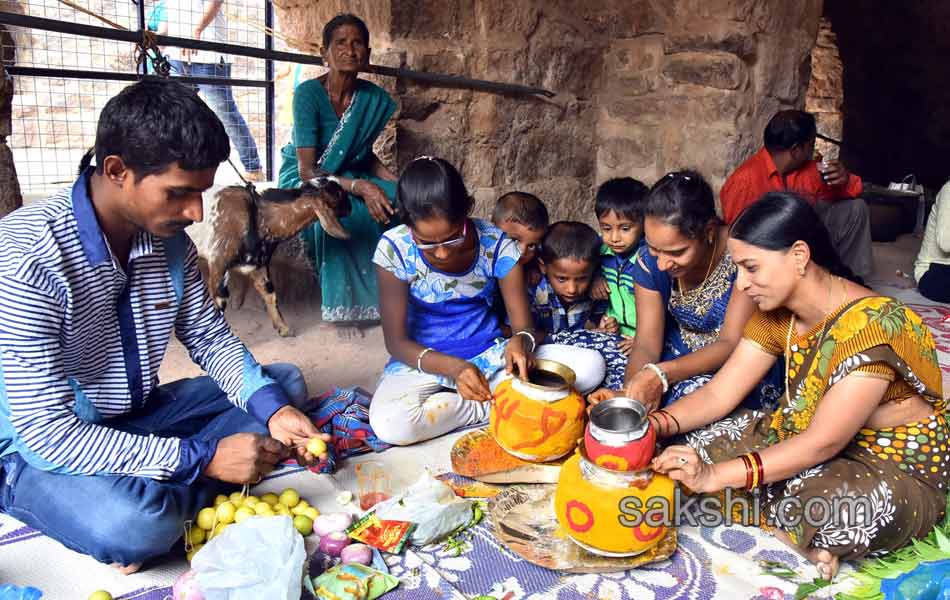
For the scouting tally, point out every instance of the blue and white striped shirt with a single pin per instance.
(82, 339)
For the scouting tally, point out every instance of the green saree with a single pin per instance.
(345, 147)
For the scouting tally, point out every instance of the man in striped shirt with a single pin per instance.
(93, 281)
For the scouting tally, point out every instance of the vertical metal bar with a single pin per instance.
(269, 92)
(141, 6)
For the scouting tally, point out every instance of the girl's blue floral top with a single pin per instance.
(451, 312)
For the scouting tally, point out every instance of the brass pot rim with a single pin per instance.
(552, 366)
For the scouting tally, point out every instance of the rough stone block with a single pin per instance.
(638, 149)
(712, 35)
(621, 19)
(643, 53)
(717, 70)
(6, 103)
(10, 198)
(516, 21)
(735, 10)
(448, 20)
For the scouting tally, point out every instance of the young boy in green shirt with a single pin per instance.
(619, 209)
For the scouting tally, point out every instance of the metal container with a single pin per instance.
(619, 436)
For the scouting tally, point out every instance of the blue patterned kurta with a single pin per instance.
(694, 320)
(452, 312)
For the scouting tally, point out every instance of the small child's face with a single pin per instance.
(570, 278)
(529, 240)
(620, 233)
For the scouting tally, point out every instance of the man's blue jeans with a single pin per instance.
(124, 519)
(221, 101)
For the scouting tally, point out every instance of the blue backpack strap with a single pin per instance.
(175, 249)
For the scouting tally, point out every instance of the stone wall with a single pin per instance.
(10, 198)
(643, 86)
(825, 97)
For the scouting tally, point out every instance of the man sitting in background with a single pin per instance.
(786, 163)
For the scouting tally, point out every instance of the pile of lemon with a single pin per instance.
(237, 507)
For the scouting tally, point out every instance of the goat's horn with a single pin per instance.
(331, 225)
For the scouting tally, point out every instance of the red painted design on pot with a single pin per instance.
(577, 506)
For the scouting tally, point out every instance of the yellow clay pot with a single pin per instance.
(610, 512)
(541, 419)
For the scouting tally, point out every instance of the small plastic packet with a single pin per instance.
(385, 535)
(351, 582)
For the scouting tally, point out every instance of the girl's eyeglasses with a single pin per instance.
(447, 243)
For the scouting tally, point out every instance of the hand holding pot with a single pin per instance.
(683, 464)
(646, 387)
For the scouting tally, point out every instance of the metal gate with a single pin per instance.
(64, 73)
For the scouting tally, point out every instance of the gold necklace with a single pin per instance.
(712, 259)
(824, 333)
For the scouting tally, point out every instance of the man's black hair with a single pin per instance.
(521, 207)
(156, 123)
(570, 239)
(789, 128)
(624, 196)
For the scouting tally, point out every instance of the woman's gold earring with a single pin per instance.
(801, 271)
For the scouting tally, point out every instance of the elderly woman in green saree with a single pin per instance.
(337, 117)
(854, 461)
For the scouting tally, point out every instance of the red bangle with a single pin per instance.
(655, 422)
(666, 422)
(759, 468)
(748, 471)
(671, 417)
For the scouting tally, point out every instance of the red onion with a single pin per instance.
(357, 553)
(333, 543)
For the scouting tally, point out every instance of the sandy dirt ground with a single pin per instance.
(325, 360)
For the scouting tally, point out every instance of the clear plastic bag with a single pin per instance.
(13, 592)
(432, 506)
(262, 557)
(928, 581)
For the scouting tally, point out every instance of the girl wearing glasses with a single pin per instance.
(438, 274)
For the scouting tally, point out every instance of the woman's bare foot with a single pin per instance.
(127, 569)
(353, 330)
(826, 563)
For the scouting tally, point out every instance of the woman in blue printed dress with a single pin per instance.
(689, 319)
(438, 274)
